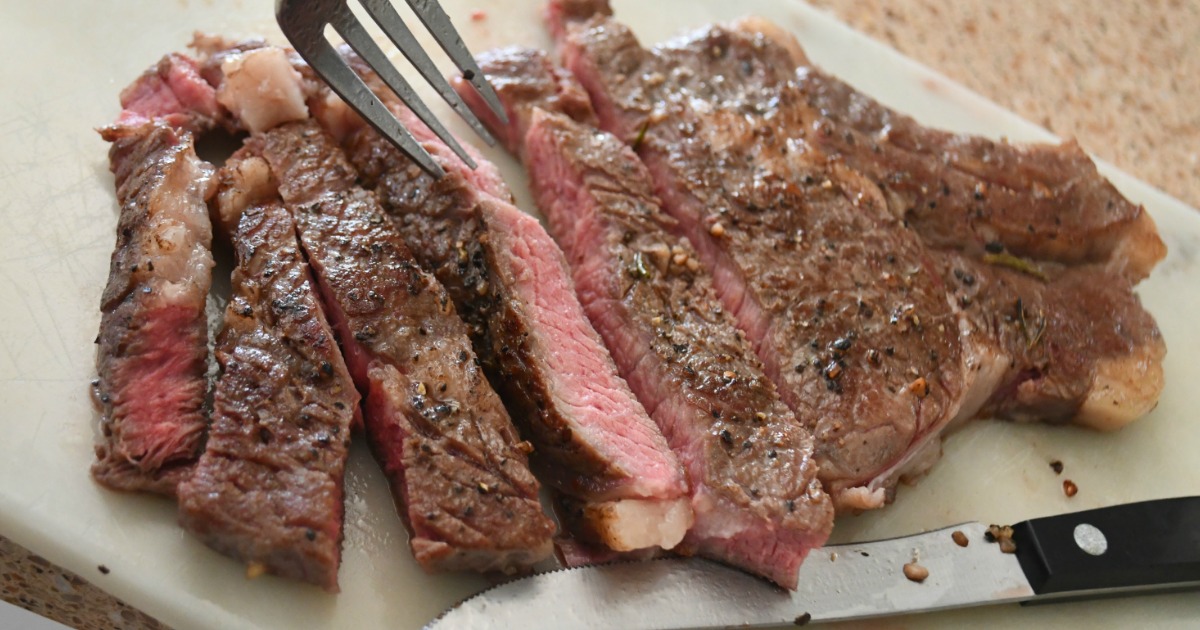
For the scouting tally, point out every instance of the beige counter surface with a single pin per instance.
(1123, 78)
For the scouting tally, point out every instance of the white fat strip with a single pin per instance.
(262, 89)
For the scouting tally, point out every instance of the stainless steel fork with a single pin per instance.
(304, 22)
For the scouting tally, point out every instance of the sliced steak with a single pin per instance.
(620, 485)
(458, 470)
(268, 488)
(847, 313)
(962, 206)
(755, 495)
(152, 347)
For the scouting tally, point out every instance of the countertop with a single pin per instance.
(1122, 78)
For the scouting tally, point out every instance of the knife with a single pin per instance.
(1151, 546)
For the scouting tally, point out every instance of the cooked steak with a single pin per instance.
(1075, 343)
(268, 488)
(1039, 251)
(458, 470)
(152, 347)
(594, 442)
(848, 316)
(755, 495)
(827, 246)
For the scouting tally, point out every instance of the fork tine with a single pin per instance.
(329, 64)
(438, 23)
(344, 22)
(385, 15)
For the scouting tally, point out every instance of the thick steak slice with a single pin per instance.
(846, 311)
(268, 489)
(621, 484)
(152, 347)
(755, 495)
(457, 468)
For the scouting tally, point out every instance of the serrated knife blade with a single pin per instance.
(1126, 548)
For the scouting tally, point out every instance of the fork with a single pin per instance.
(304, 21)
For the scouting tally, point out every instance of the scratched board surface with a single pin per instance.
(66, 61)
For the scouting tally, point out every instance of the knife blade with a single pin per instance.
(1130, 548)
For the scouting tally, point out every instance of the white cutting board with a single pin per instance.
(65, 62)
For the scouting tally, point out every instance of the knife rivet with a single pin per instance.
(1090, 539)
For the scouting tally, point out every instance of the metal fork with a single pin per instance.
(304, 21)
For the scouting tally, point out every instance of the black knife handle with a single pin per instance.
(1150, 545)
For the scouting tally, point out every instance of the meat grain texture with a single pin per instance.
(268, 488)
(151, 355)
(457, 467)
(755, 496)
(620, 487)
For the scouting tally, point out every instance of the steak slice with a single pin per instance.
(621, 485)
(457, 468)
(845, 309)
(755, 495)
(268, 488)
(152, 347)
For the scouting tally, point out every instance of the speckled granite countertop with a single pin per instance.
(1123, 78)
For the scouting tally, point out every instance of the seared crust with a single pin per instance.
(151, 355)
(268, 489)
(457, 467)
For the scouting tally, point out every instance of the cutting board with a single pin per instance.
(66, 61)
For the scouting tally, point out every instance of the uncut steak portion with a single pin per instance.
(457, 468)
(620, 485)
(152, 347)
(1040, 252)
(755, 495)
(268, 488)
(845, 309)
(1077, 344)
(967, 193)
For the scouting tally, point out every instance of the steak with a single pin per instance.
(457, 468)
(1077, 344)
(1054, 248)
(152, 347)
(268, 488)
(849, 318)
(756, 499)
(844, 260)
(619, 484)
